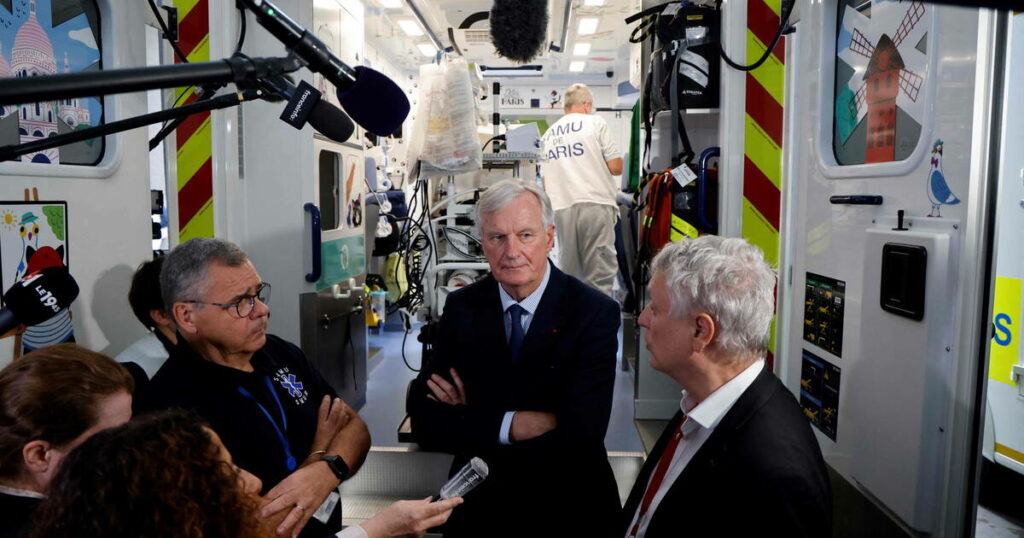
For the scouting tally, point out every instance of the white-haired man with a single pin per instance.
(582, 158)
(739, 459)
(522, 376)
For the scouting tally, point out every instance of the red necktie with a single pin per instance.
(659, 475)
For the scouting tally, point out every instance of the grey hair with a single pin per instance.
(187, 268)
(729, 279)
(576, 95)
(502, 193)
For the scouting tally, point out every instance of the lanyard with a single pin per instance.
(289, 461)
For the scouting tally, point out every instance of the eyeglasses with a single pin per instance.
(246, 303)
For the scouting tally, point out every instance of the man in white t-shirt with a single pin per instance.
(582, 160)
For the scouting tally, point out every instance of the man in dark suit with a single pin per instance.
(739, 459)
(522, 376)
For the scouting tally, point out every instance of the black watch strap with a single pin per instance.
(337, 465)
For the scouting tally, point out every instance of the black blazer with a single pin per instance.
(566, 366)
(760, 473)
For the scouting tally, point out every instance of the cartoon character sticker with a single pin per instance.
(555, 98)
(938, 189)
(33, 237)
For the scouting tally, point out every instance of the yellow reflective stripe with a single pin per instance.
(178, 91)
(774, 5)
(1004, 348)
(762, 151)
(202, 51)
(184, 8)
(771, 74)
(760, 232)
(680, 228)
(194, 152)
(1010, 453)
(201, 224)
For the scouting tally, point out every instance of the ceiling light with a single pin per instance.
(576, 67)
(593, 2)
(427, 49)
(581, 49)
(393, 4)
(588, 25)
(410, 27)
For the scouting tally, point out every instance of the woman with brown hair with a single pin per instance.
(165, 474)
(51, 400)
(168, 475)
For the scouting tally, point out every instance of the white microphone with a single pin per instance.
(469, 477)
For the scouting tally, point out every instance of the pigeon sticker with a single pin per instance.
(938, 189)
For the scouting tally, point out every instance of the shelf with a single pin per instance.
(508, 156)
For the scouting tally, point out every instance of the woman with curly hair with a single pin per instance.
(162, 475)
(169, 475)
(51, 400)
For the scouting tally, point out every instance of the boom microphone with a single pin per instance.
(519, 28)
(37, 297)
(306, 106)
(373, 100)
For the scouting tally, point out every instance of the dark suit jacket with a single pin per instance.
(566, 366)
(760, 473)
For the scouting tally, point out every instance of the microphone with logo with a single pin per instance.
(306, 106)
(37, 297)
(470, 476)
(372, 100)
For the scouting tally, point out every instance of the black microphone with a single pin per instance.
(37, 297)
(372, 99)
(306, 106)
(519, 28)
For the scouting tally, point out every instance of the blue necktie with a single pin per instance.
(515, 339)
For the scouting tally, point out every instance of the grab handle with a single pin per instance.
(705, 224)
(314, 228)
(856, 199)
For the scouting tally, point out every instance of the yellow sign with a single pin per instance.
(1006, 319)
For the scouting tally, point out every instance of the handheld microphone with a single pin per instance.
(306, 106)
(37, 297)
(469, 477)
(372, 99)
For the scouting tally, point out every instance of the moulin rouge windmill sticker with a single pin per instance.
(884, 48)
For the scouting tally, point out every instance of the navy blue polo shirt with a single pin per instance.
(260, 416)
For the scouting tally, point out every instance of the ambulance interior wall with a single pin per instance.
(108, 206)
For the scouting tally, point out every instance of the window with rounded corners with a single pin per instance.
(47, 37)
(880, 91)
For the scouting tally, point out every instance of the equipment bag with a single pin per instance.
(683, 68)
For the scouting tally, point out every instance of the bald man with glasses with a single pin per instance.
(275, 413)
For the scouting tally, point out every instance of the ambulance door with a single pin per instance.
(1004, 439)
(882, 156)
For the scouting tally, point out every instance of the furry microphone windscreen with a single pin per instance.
(519, 28)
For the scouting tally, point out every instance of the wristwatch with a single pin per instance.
(337, 465)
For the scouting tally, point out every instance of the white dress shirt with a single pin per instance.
(529, 304)
(697, 427)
